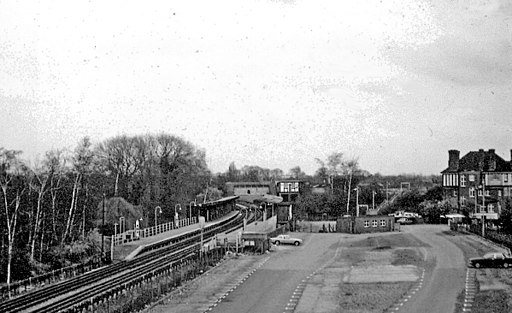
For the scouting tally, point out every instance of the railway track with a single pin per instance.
(67, 294)
(117, 282)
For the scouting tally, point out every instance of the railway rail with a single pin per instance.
(65, 295)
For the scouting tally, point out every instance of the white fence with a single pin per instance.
(131, 235)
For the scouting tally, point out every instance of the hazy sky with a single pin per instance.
(269, 83)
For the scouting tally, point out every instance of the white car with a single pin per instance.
(286, 239)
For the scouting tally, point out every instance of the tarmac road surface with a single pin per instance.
(445, 281)
(311, 278)
(273, 286)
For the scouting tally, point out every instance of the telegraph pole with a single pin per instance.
(103, 230)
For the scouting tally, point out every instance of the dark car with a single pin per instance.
(493, 259)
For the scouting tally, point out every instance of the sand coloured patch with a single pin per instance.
(382, 274)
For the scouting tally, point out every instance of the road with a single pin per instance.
(271, 288)
(415, 270)
(445, 281)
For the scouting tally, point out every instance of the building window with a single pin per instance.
(482, 209)
(471, 177)
(505, 178)
(471, 192)
(455, 193)
(366, 223)
(383, 223)
(462, 200)
(480, 192)
(294, 187)
(487, 192)
(463, 180)
(499, 193)
(491, 208)
(375, 223)
(506, 192)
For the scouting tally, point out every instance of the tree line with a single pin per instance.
(50, 206)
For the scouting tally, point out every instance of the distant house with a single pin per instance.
(249, 188)
(250, 192)
(479, 182)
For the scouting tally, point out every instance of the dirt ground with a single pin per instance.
(369, 274)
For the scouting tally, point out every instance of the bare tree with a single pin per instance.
(276, 173)
(10, 168)
(297, 173)
(322, 172)
(39, 183)
(350, 167)
(82, 166)
(56, 163)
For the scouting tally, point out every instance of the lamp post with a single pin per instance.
(158, 209)
(122, 224)
(373, 199)
(357, 200)
(387, 194)
(263, 211)
(190, 212)
(176, 213)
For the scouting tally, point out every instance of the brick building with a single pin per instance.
(479, 182)
(365, 224)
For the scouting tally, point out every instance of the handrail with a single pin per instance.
(133, 234)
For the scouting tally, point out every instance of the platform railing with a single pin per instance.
(132, 234)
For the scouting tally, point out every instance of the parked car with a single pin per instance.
(286, 239)
(492, 259)
(404, 220)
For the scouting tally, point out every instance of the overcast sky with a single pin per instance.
(268, 83)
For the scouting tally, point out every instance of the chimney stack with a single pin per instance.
(453, 159)
(492, 160)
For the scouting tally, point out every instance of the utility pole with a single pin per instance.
(103, 229)
(387, 193)
(357, 201)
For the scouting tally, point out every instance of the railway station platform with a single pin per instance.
(127, 250)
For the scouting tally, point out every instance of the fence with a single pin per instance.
(25, 285)
(495, 236)
(316, 227)
(131, 235)
(22, 286)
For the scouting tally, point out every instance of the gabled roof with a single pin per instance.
(481, 161)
